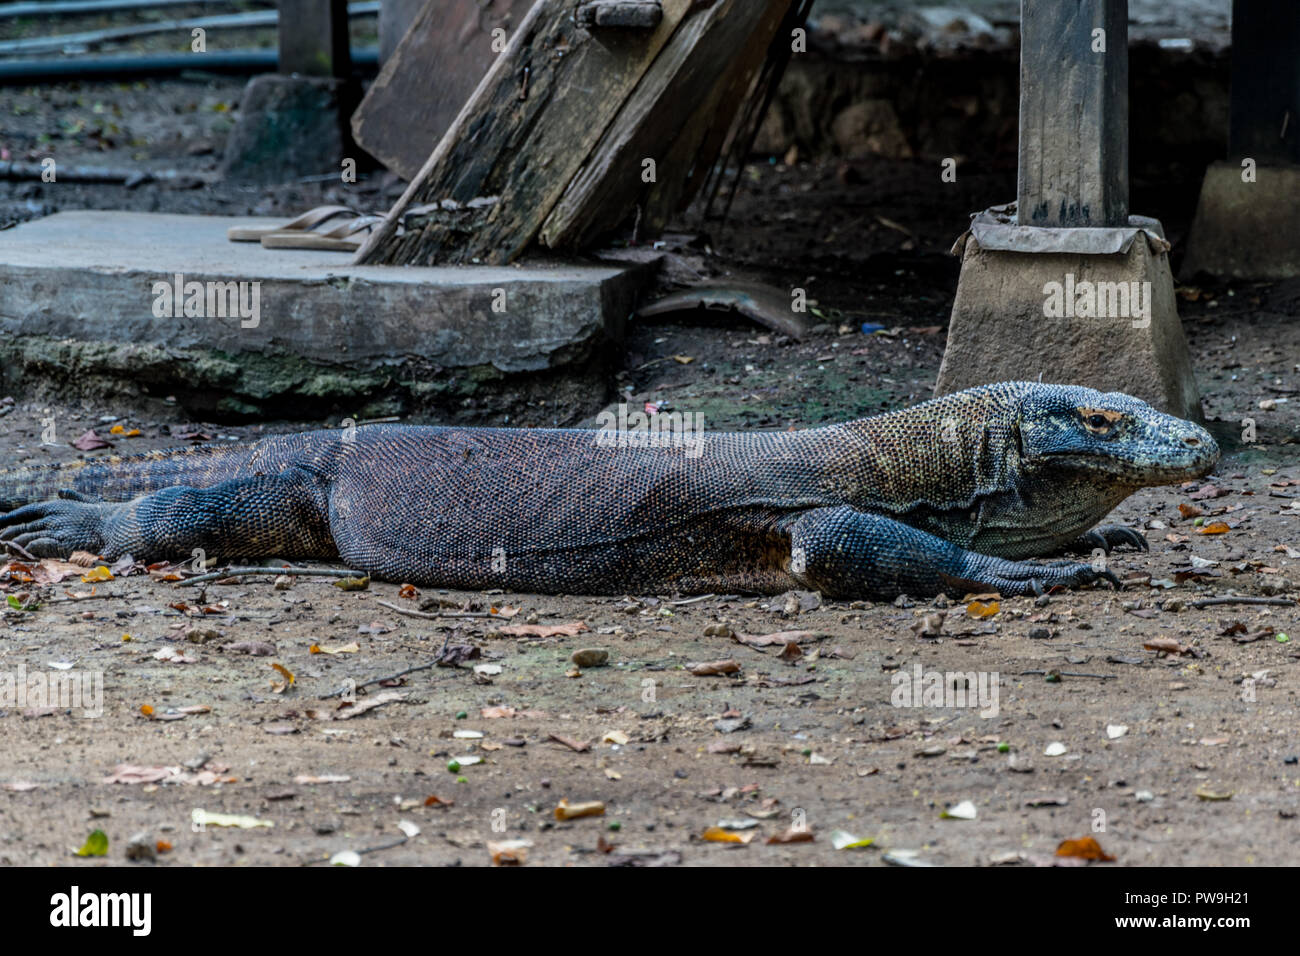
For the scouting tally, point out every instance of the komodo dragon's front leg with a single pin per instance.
(281, 514)
(848, 553)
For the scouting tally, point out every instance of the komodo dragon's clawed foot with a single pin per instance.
(1018, 578)
(53, 529)
(1107, 538)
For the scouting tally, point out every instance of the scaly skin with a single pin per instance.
(950, 495)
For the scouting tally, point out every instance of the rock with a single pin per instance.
(141, 847)
(590, 657)
(288, 127)
(1272, 585)
(870, 128)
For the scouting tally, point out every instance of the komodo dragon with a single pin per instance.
(949, 495)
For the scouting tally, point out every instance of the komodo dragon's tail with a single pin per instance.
(123, 477)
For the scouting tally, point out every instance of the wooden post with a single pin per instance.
(314, 38)
(1073, 113)
(1264, 121)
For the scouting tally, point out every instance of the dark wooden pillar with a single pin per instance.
(1073, 113)
(314, 38)
(1265, 102)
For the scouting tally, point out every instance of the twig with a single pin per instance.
(370, 849)
(235, 572)
(1073, 674)
(88, 597)
(380, 680)
(433, 617)
(694, 600)
(1213, 602)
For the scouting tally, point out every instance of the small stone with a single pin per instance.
(590, 657)
(283, 582)
(141, 847)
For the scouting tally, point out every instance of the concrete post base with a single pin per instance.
(1246, 230)
(1091, 307)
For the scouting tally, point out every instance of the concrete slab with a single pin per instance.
(117, 291)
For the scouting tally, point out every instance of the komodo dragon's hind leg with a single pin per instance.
(851, 554)
(282, 514)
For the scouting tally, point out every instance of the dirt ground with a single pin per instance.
(1205, 772)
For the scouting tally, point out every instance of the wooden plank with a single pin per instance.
(314, 38)
(512, 150)
(1073, 113)
(1264, 123)
(426, 80)
(395, 18)
(702, 56)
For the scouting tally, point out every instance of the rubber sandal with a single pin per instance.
(346, 237)
(305, 223)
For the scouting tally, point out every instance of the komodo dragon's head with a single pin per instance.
(1078, 429)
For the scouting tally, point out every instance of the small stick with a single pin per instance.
(88, 597)
(433, 617)
(1213, 602)
(1074, 674)
(380, 680)
(369, 849)
(694, 600)
(235, 572)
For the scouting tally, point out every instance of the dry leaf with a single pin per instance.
(370, 703)
(1084, 848)
(509, 852)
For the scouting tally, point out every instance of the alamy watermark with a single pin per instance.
(952, 689)
(624, 429)
(64, 690)
(208, 300)
(1098, 300)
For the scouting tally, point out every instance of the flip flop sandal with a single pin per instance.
(342, 238)
(305, 223)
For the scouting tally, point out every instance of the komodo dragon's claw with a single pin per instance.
(1107, 539)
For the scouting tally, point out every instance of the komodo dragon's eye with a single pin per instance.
(1099, 421)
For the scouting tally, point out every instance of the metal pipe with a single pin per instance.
(69, 7)
(165, 64)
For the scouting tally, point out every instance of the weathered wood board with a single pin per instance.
(1073, 113)
(532, 122)
(720, 54)
(426, 80)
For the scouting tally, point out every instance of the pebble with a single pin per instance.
(590, 657)
(141, 847)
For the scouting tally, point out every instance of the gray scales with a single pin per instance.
(951, 495)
